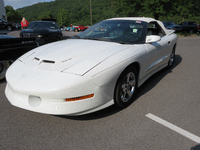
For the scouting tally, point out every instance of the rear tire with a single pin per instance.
(191, 31)
(126, 88)
(9, 28)
(3, 68)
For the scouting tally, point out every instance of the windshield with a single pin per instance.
(43, 24)
(121, 31)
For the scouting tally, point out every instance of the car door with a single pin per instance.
(158, 51)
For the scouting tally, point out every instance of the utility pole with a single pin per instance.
(91, 11)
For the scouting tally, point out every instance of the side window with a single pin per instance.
(185, 23)
(155, 29)
(191, 23)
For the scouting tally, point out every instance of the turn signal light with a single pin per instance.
(79, 98)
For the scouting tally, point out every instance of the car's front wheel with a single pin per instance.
(126, 88)
(3, 68)
(171, 59)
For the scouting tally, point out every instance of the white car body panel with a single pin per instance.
(41, 79)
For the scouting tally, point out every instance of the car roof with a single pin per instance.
(43, 21)
(145, 19)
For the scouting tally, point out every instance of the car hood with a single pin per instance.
(75, 56)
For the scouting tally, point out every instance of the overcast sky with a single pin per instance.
(22, 3)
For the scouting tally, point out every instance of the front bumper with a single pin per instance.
(55, 106)
(45, 91)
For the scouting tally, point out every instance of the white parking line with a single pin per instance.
(175, 128)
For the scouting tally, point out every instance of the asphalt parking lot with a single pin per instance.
(164, 116)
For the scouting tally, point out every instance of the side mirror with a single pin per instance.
(152, 38)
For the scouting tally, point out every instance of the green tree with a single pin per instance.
(158, 8)
(13, 15)
(78, 10)
(128, 8)
(63, 18)
(45, 15)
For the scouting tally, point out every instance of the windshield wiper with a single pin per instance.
(96, 38)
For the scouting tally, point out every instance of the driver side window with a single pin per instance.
(155, 29)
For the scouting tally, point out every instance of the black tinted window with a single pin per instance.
(43, 24)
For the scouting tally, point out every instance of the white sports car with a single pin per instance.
(102, 66)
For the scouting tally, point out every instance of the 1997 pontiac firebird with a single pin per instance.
(102, 66)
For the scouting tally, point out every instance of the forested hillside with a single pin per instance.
(77, 11)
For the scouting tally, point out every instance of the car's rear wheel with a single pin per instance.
(126, 88)
(9, 28)
(171, 59)
(3, 68)
(191, 31)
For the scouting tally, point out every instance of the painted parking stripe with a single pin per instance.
(174, 128)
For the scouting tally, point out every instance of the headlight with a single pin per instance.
(39, 36)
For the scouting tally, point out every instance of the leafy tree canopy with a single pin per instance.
(78, 11)
(13, 15)
(63, 18)
(45, 15)
(176, 10)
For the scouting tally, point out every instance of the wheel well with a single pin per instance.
(174, 48)
(136, 65)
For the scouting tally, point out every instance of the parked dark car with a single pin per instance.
(18, 25)
(190, 27)
(11, 48)
(170, 25)
(44, 31)
(7, 25)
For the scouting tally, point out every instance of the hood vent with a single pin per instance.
(48, 61)
(46, 64)
(36, 58)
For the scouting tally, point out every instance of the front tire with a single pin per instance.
(126, 87)
(3, 68)
(171, 59)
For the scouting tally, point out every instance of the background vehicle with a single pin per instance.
(7, 25)
(171, 25)
(11, 48)
(18, 25)
(71, 28)
(44, 32)
(80, 28)
(190, 27)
